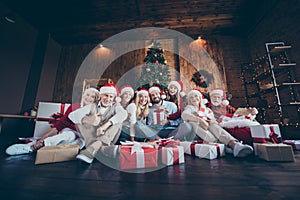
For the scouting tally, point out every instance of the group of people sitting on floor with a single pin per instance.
(105, 117)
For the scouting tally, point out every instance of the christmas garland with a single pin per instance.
(198, 79)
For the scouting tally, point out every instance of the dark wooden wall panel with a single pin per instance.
(209, 59)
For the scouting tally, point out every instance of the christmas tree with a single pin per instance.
(154, 71)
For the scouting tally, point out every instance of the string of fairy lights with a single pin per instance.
(259, 79)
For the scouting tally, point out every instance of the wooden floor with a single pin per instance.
(224, 178)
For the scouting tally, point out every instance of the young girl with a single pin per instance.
(177, 96)
(206, 127)
(61, 132)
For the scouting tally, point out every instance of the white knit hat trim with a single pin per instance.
(217, 91)
(145, 92)
(127, 89)
(176, 84)
(91, 90)
(154, 88)
(108, 90)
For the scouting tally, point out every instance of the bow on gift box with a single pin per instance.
(57, 116)
(54, 117)
(274, 137)
(168, 142)
(137, 148)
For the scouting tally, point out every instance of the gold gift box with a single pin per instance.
(275, 152)
(59, 153)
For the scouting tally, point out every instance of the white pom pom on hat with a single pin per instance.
(221, 93)
(182, 94)
(118, 99)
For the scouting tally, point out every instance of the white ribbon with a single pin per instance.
(136, 147)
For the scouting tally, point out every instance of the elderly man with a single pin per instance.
(100, 125)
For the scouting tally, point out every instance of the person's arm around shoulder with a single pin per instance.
(119, 117)
(188, 115)
(77, 115)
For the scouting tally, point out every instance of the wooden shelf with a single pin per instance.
(295, 103)
(295, 83)
(287, 65)
(275, 76)
(280, 49)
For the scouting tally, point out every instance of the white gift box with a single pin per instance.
(294, 143)
(172, 155)
(45, 110)
(204, 150)
(265, 133)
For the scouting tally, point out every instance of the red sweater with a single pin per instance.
(180, 107)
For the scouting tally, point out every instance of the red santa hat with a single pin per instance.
(110, 88)
(142, 91)
(157, 89)
(222, 94)
(126, 88)
(199, 93)
(179, 85)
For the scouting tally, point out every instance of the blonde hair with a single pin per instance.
(91, 91)
(142, 111)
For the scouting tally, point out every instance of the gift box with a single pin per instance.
(275, 152)
(172, 155)
(59, 153)
(294, 143)
(44, 113)
(134, 155)
(265, 133)
(158, 116)
(203, 149)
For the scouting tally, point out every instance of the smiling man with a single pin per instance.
(100, 125)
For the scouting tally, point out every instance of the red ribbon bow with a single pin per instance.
(193, 146)
(274, 137)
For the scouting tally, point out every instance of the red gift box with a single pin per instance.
(138, 156)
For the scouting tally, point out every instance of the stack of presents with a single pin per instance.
(267, 144)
